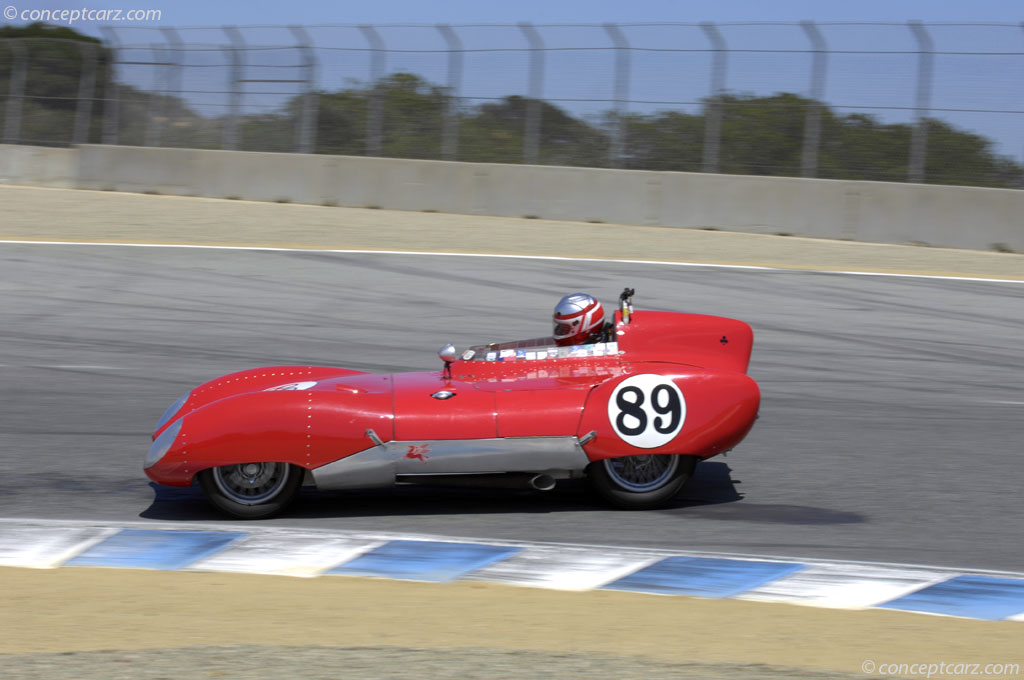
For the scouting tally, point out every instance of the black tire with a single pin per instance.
(641, 482)
(251, 490)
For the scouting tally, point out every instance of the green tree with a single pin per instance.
(412, 114)
(762, 135)
(765, 136)
(494, 133)
(857, 146)
(341, 122)
(274, 132)
(958, 157)
(669, 140)
(54, 65)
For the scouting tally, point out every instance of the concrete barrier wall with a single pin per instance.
(961, 217)
(39, 166)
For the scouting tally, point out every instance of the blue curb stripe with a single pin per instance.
(976, 597)
(154, 549)
(703, 576)
(424, 560)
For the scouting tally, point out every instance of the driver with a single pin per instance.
(579, 320)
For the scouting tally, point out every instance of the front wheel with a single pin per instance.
(251, 490)
(641, 482)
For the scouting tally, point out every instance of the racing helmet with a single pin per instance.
(578, 318)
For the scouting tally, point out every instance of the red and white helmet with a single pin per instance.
(579, 318)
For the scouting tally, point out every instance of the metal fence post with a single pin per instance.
(620, 95)
(812, 124)
(229, 135)
(112, 105)
(450, 133)
(151, 136)
(158, 105)
(172, 81)
(919, 140)
(15, 91)
(305, 129)
(86, 93)
(713, 111)
(375, 110)
(535, 90)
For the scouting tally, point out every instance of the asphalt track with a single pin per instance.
(890, 430)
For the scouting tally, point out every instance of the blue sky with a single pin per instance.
(192, 13)
(540, 11)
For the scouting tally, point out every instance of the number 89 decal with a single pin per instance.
(647, 410)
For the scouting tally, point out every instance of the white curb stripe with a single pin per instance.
(47, 547)
(291, 554)
(563, 568)
(845, 586)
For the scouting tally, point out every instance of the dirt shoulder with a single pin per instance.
(87, 610)
(32, 213)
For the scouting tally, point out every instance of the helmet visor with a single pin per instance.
(564, 330)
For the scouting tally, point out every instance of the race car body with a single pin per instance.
(633, 413)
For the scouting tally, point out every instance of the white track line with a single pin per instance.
(553, 258)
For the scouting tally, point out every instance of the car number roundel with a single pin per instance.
(647, 410)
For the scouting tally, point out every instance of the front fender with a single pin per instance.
(308, 428)
(252, 380)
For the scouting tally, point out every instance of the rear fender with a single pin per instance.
(670, 409)
(693, 339)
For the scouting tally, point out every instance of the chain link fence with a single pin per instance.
(884, 101)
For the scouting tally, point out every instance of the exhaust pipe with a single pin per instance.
(542, 482)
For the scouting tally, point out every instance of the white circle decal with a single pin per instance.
(647, 410)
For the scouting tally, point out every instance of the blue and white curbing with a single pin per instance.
(309, 553)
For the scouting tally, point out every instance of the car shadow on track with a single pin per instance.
(711, 495)
(712, 484)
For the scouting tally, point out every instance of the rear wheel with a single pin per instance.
(641, 482)
(251, 490)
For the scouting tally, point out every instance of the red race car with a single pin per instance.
(632, 411)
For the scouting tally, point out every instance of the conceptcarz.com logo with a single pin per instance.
(70, 16)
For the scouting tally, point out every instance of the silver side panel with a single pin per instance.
(378, 466)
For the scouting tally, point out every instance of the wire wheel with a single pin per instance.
(639, 474)
(251, 483)
(641, 482)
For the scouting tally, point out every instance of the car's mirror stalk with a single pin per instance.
(448, 355)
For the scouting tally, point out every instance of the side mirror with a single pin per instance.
(448, 355)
